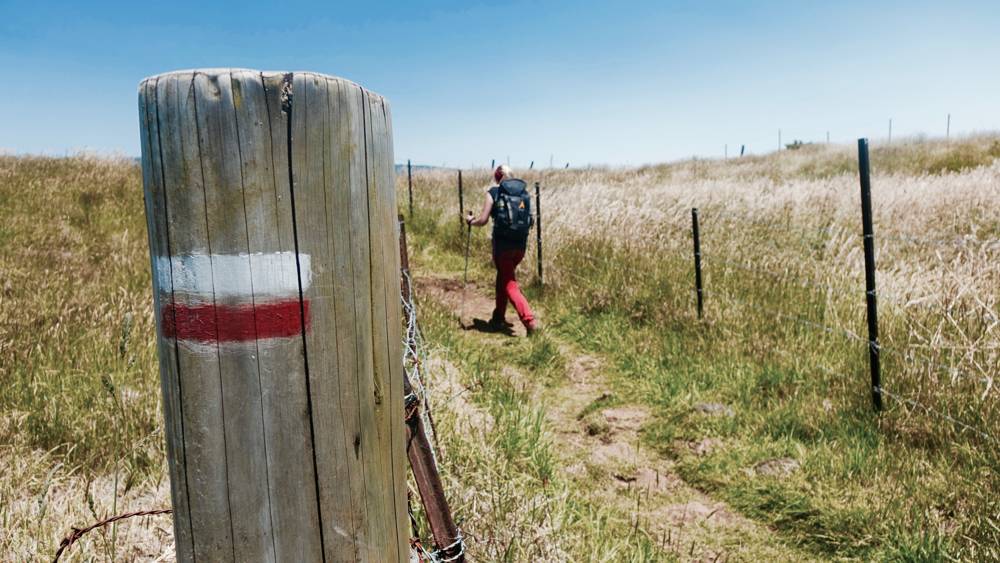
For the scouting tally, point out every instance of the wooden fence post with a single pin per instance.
(271, 214)
(447, 536)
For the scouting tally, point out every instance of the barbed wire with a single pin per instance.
(846, 333)
(929, 410)
(781, 276)
(916, 404)
(414, 362)
(77, 533)
(964, 241)
(954, 372)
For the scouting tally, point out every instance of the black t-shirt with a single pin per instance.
(500, 243)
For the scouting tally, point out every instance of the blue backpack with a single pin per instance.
(512, 219)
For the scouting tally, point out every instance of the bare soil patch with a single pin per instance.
(468, 302)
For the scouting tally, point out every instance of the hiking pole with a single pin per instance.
(465, 276)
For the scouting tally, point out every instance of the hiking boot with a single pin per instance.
(532, 328)
(500, 323)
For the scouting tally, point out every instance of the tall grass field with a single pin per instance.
(782, 346)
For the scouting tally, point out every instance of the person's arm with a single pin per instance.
(484, 215)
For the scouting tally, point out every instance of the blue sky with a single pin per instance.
(583, 82)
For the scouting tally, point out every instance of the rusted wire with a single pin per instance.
(78, 533)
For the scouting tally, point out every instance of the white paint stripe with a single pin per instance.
(275, 274)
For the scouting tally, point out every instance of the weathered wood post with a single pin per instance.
(272, 230)
(447, 536)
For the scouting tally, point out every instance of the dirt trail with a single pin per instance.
(471, 304)
(599, 443)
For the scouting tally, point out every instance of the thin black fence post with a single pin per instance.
(538, 230)
(409, 184)
(699, 290)
(461, 201)
(864, 168)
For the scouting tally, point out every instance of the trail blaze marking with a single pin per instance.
(227, 275)
(215, 299)
(234, 323)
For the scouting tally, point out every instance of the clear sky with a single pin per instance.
(583, 82)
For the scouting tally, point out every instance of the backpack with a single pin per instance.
(512, 217)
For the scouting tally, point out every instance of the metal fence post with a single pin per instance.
(409, 184)
(697, 262)
(461, 201)
(870, 294)
(538, 231)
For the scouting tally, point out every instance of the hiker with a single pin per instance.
(509, 203)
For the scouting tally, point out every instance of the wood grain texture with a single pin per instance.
(159, 245)
(331, 414)
(382, 170)
(380, 464)
(284, 445)
(201, 384)
(281, 361)
(246, 450)
(339, 155)
(396, 334)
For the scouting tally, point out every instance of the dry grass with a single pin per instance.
(79, 402)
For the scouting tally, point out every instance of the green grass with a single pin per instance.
(530, 512)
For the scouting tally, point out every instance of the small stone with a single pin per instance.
(705, 446)
(596, 425)
(652, 480)
(777, 467)
(625, 418)
(714, 409)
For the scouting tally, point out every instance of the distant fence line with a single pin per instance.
(875, 348)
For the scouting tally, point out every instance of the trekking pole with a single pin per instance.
(465, 276)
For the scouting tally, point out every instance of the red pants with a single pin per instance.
(506, 262)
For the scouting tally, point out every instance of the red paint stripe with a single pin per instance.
(234, 323)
